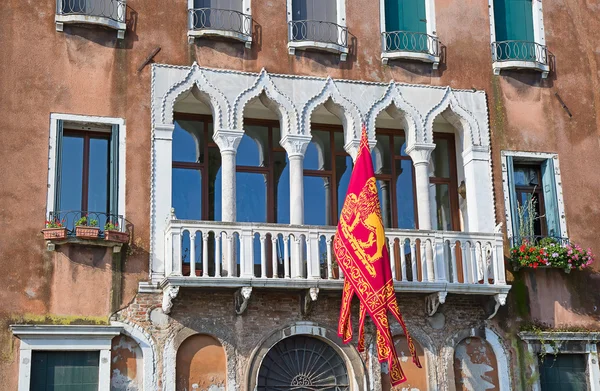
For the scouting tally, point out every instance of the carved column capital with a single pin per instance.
(420, 153)
(228, 139)
(295, 144)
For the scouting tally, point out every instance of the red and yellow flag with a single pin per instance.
(361, 251)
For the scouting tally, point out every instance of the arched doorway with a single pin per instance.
(303, 362)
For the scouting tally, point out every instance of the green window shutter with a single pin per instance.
(405, 15)
(114, 171)
(550, 199)
(63, 370)
(513, 20)
(512, 195)
(58, 165)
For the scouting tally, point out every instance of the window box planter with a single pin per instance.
(550, 253)
(84, 232)
(55, 233)
(116, 236)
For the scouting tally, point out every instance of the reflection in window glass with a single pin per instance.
(249, 153)
(383, 190)
(405, 199)
(98, 176)
(442, 201)
(251, 197)
(187, 194)
(71, 173)
(317, 201)
(282, 212)
(441, 159)
(526, 176)
(343, 168)
(188, 138)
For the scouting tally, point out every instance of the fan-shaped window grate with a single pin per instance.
(302, 363)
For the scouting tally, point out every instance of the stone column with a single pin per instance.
(478, 182)
(420, 154)
(163, 151)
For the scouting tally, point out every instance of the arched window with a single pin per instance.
(443, 184)
(303, 363)
(327, 171)
(196, 190)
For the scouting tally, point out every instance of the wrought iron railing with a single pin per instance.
(520, 51)
(220, 19)
(318, 31)
(69, 219)
(111, 9)
(409, 41)
(538, 240)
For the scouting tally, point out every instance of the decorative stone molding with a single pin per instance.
(433, 301)
(295, 145)
(170, 292)
(420, 153)
(228, 140)
(241, 298)
(310, 297)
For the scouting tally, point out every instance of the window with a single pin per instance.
(318, 24)
(85, 177)
(518, 35)
(64, 371)
(534, 208)
(327, 170)
(226, 18)
(395, 180)
(443, 184)
(408, 30)
(109, 13)
(563, 372)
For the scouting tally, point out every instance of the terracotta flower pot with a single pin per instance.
(85, 232)
(116, 236)
(54, 233)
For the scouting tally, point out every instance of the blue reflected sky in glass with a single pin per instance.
(187, 194)
(218, 198)
(71, 173)
(98, 176)
(185, 148)
(283, 195)
(311, 157)
(404, 195)
(248, 153)
(315, 201)
(251, 197)
(344, 181)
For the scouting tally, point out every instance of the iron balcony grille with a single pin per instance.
(520, 51)
(110, 9)
(220, 19)
(535, 240)
(68, 220)
(318, 31)
(409, 41)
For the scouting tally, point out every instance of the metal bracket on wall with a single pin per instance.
(241, 298)
(433, 301)
(309, 298)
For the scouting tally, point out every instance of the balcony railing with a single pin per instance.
(109, 13)
(217, 21)
(520, 51)
(318, 31)
(68, 219)
(408, 41)
(237, 254)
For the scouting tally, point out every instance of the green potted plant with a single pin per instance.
(114, 234)
(55, 230)
(87, 229)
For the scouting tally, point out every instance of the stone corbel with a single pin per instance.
(433, 301)
(169, 294)
(308, 300)
(499, 299)
(241, 298)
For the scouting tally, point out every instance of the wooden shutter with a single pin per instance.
(514, 20)
(114, 171)
(58, 165)
(405, 15)
(512, 195)
(550, 199)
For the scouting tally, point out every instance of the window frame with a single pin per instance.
(64, 338)
(539, 191)
(539, 158)
(431, 31)
(539, 38)
(452, 181)
(59, 122)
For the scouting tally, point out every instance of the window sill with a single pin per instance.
(61, 20)
(498, 66)
(406, 55)
(320, 46)
(246, 39)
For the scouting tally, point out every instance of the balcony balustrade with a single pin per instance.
(410, 45)
(220, 22)
(108, 13)
(319, 35)
(520, 55)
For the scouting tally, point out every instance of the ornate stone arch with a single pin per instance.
(175, 340)
(460, 117)
(350, 115)
(411, 118)
(354, 363)
(280, 103)
(214, 97)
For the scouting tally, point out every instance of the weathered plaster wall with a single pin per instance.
(126, 369)
(416, 377)
(201, 364)
(475, 366)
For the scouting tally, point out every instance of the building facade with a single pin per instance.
(187, 167)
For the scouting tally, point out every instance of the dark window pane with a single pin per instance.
(338, 139)
(343, 168)
(318, 156)
(282, 188)
(214, 184)
(98, 176)
(400, 145)
(317, 201)
(527, 176)
(71, 173)
(523, 197)
(187, 194)
(251, 198)
(405, 194)
(443, 217)
(249, 153)
(384, 192)
(441, 159)
(563, 372)
(381, 156)
(188, 141)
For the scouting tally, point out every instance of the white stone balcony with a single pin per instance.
(245, 255)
